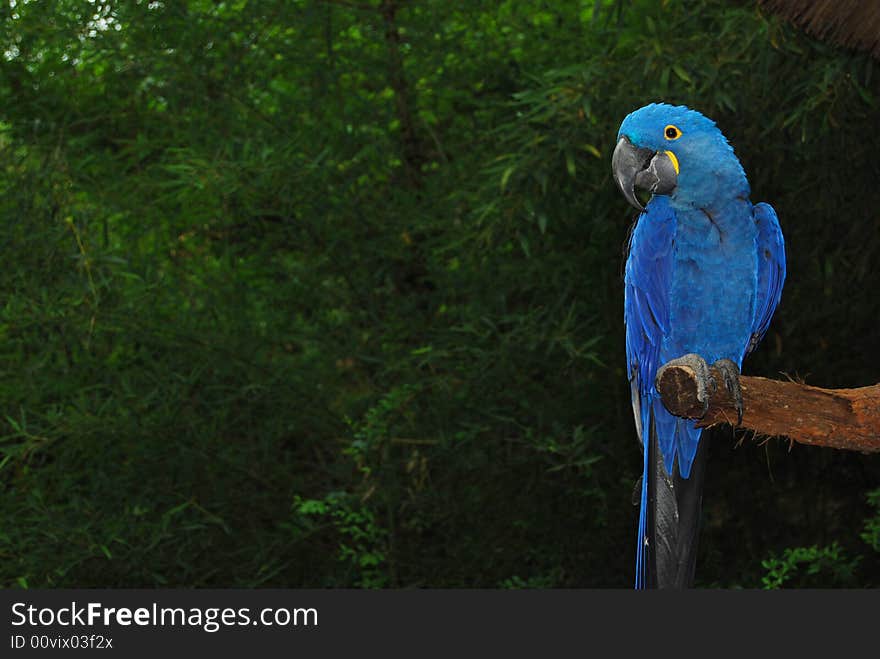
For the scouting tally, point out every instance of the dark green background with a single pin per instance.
(329, 293)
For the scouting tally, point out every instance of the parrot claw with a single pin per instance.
(706, 385)
(730, 372)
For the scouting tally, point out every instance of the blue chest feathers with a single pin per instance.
(691, 285)
(713, 282)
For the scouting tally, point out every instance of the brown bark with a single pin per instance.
(403, 102)
(412, 147)
(840, 418)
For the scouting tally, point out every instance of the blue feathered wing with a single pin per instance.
(771, 270)
(646, 313)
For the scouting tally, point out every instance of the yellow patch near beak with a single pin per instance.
(673, 159)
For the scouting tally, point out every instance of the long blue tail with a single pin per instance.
(669, 510)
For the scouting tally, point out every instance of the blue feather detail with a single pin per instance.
(648, 285)
(771, 270)
(687, 439)
(641, 548)
(646, 313)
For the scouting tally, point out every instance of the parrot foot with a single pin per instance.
(730, 372)
(705, 382)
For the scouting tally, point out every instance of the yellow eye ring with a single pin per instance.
(671, 132)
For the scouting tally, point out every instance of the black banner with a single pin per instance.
(414, 622)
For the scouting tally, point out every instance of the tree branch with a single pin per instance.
(840, 418)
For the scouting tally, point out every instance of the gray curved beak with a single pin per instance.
(636, 167)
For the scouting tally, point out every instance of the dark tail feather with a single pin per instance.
(672, 521)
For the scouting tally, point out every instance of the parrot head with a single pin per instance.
(673, 150)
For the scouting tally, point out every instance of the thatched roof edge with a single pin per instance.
(849, 23)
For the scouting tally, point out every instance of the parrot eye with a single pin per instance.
(672, 132)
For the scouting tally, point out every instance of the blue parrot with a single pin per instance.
(703, 277)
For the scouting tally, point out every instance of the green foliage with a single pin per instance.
(307, 294)
(871, 533)
(362, 541)
(831, 560)
(828, 565)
